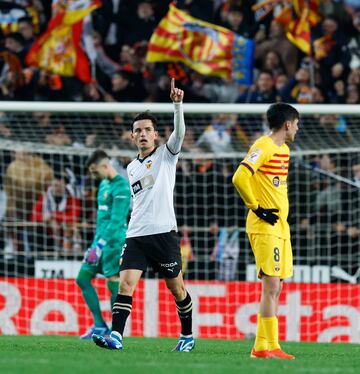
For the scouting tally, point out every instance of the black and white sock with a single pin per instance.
(121, 310)
(184, 309)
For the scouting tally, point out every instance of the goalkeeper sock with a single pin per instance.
(260, 339)
(113, 287)
(271, 329)
(91, 298)
(120, 312)
(184, 309)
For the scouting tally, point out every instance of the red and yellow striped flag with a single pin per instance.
(298, 18)
(204, 47)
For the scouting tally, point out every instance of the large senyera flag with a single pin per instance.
(59, 50)
(209, 49)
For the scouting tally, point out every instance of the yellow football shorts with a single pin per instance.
(273, 255)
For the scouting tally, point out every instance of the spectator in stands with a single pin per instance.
(212, 89)
(328, 201)
(93, 93)
(159, 91)
(354, 43)
(236, 21)
(59, 209)
(354, 77)
(335, 227)
(58, 135)
(298, 89)
(352, 94)
(142, 25)
(272, 62)
(280, 82)
(11, 76)
(262, 92)
(334, 7)
(189, 144)
(335, 131)
(197, 8)
(125, 87)
(217, 136)
(5, 129)
(334, 61)
(278, 42)
(27, 176)
(26, 29)
(15, 43)
(105, 66)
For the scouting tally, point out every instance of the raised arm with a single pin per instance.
(177, 136)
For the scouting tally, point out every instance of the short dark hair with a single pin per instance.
(265, 71)
(16, 36)
(145, 115)
(97, 156)
(279, 113)
(26, 19)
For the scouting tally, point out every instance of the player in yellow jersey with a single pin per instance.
(261, 180)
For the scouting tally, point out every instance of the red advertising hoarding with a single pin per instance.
(227, 310)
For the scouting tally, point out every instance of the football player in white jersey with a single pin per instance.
(152, 237)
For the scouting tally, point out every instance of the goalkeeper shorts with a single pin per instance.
(160, 251)
(273, 255)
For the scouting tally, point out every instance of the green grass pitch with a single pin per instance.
(54, 354)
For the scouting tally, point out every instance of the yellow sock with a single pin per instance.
(260, 339)
(271, 329)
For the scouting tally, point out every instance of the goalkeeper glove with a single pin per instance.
(93, 254)
(267, 215)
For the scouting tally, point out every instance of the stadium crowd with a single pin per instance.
(122, 29)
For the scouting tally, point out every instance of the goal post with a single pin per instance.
(43, 148)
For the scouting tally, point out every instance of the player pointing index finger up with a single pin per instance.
(152, 237)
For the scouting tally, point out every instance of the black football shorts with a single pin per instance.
(160, 251)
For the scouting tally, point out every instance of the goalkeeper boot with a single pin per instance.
(104, 330)
(185, 344)
(259, 354)
(280, 354)
(113, 341)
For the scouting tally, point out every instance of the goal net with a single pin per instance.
(48, 211)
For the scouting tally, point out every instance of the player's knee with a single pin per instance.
(82, 282)
(127, 288)
(177, 290)
(271, 288)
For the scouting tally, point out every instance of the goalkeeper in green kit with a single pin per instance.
(104, 254)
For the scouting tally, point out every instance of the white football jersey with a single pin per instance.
(152, 181)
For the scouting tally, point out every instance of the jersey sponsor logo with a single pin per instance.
(148, 164)
(254, 156)
(276, 181)
(142, 184)
(103, 207)
(136, 187)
